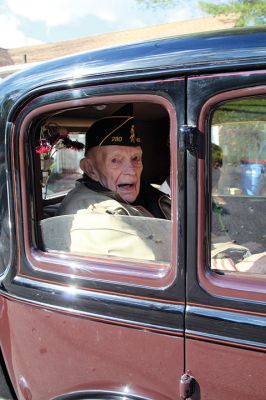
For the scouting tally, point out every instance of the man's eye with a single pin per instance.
(114, 160)
(137, 158)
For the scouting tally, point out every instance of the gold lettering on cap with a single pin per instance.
(117, 139)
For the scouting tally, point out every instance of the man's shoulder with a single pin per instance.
(80, 191)
(158, 203)
(152, 192)
(80, 197)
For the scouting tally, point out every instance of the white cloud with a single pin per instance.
(61, 12)
(99, 16)
(183, 13)
(11, 35)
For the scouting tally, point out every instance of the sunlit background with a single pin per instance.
(34, 31)
(31, 22)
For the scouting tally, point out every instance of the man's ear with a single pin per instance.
(87, 166)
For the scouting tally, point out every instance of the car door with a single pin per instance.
(93, 326)
(226, 263)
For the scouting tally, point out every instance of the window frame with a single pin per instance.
(237, 285)
(144, 274)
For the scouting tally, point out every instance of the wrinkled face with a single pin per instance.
(117, 168)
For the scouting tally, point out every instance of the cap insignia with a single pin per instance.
(132, 134)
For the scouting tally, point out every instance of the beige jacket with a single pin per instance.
(91, 223)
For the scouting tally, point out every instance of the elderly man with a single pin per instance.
(112, 173)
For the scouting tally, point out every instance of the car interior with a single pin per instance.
(54, 181)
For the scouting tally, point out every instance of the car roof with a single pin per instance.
(186, 54)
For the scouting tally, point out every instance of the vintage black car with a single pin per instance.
(184, 318)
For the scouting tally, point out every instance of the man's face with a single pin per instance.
(118, 168)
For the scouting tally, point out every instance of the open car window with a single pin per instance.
(139, 245)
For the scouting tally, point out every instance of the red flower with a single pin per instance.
(54, 138)
(43, 149)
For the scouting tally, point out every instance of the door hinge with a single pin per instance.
(186, 386)
(194, 140)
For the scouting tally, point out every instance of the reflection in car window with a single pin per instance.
(108, 235)
(63, 170)
(238, 171)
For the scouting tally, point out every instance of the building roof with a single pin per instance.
(5, 58)
(43, 52)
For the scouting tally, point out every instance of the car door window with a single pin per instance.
(100, 226)
(99, 231)
(238, 186)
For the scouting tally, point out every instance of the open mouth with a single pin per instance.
(126, 186)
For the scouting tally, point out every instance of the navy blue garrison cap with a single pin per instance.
(118, 129)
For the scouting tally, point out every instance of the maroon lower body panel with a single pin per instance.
(224, 372)
(49, 354)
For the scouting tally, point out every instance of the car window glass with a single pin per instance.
(108, 235)
(238, 186)
(59, 175)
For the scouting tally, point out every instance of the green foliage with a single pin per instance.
(248, 12)
(242, 128)
(244, 110)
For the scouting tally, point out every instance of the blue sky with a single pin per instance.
(28, 22)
